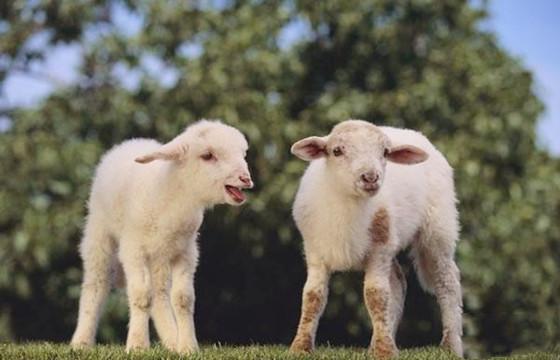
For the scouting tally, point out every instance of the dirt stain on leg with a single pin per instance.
(377, 302)
(312, 306)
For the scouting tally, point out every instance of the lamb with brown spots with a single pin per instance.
(368, 193)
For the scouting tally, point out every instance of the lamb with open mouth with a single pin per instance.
(236, 193)
(134, 185)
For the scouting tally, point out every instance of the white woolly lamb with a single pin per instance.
(146, 205)
(356, 211)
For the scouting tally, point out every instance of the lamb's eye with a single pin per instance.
(337, 151)
(207, 156)
(386, 152)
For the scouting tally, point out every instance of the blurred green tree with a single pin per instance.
(278, 70)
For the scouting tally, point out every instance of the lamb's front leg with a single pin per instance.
(162, 312)
(379, 302)
(182, 298)
(314, 299)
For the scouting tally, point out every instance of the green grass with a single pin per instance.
(48, 351)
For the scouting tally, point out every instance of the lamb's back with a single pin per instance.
(119, 179)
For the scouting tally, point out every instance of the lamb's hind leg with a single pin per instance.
(97, 251)
(439, 274)
(397, 281)
(183, 298)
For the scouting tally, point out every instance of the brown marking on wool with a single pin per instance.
(302, 344)
(379, 228)
(446, 341)
(141, 300)
(311, 306)
(384, 348)
(184, 302)
(445, 338)
(377, 302)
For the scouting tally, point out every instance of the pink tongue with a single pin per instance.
(236, 193)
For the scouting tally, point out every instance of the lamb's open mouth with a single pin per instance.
(235, 193)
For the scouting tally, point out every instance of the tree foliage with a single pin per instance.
(278, 70)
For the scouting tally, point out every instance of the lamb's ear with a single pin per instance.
(406, 154)
(174, 150)
(310, 148)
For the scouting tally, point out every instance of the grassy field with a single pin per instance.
(49, 351)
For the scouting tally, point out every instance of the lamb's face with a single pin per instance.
(212, 154)
(356, 154)
(218, 157)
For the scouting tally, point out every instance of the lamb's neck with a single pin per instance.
(183, 188)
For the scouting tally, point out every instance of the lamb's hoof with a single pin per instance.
(384, 349)
(137, 345)
(171, 346)
(80, 344)
(187, 349)
(302, 345)
(384, 354)
(453, 344)
(132, 349)
(300, 350)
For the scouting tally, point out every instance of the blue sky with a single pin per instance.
(529, 30)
